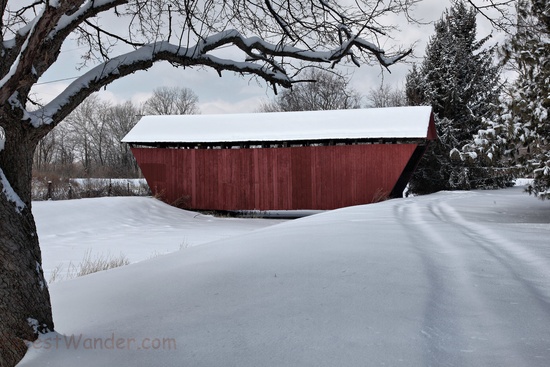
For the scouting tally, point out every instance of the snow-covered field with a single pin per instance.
(136, 227)
(450, 279)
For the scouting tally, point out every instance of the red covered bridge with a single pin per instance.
(281, 161)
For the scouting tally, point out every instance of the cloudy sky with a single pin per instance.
(232, 93)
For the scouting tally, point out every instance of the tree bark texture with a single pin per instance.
(25, 308)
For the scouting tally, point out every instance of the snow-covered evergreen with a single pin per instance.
(520, 133)
(459, 79)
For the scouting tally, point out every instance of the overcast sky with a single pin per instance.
(232, 93)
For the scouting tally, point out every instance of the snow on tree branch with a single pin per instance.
(36, 44)
(10, 194)
(144, 57)
(307, 32)
(68, 22)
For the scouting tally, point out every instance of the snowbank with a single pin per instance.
(458, 279)
(137, 227)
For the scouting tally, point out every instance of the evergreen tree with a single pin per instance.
(521, 131)
(460, 81)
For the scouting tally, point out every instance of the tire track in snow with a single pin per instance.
(456, 313)
(514, 286)
(531, 270)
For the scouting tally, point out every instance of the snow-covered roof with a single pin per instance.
(372, 123)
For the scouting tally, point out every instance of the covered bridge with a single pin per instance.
(282, 160)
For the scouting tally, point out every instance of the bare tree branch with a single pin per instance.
(282, 23)
(502, 17)
(3, 5)
(144, 57)
(44, 36)
(264, 59)
(112, 35)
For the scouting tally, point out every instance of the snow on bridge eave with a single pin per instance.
(372, 123)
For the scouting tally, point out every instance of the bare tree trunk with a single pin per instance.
(25, 308)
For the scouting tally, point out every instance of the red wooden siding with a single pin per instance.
(314, 177)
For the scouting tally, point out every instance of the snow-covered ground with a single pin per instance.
(450, 279)
(135, 227)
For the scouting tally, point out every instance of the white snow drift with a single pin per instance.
(136, 227)
(455, 279)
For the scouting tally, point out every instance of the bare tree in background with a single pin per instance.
(269, 39)
(88, 129)
(45, 152)
(172, 101)
(386, 96)
(324, 90)
(56, 152)
(87, 143)
(121, 118)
